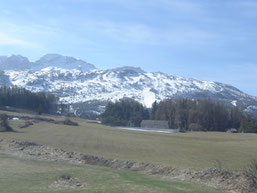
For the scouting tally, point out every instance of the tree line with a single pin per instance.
(126, 112)
(184, 114)
(202, 115)
(21, 98)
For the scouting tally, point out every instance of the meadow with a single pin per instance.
(198, 150)
(23, 176)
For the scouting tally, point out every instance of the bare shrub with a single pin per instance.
(26, 124)
(218, 164)
(67, 121)
(4, 125)
(252, 168)
(65, 177)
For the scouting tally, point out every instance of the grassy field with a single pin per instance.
(23, 176)
(179, 150)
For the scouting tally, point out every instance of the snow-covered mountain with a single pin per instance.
(77, 87)
(4, 79)
(14, 62)
(18, 63)
(79, 83)
(59, 61)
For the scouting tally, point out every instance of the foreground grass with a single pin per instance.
(23, 176)
(180, 150)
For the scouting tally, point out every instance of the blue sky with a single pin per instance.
(203, 39)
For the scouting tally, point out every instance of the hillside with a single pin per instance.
(93, 88)
(19, 63)
(94, 144)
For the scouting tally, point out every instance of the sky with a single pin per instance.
(201, 39)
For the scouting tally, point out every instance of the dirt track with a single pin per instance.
(228, 181)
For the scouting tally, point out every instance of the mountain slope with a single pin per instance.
(65, 62)
(4, 79)
(81, 84)
(14, 62)
(75, 86)
(18, 63)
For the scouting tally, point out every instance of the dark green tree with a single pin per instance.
(125, 112)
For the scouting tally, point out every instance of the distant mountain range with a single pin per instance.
(79, 83)
(18, 62)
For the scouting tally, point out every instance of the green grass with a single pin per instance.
(23, 176)
(179, 150)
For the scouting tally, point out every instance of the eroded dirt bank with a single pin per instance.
(232, 182)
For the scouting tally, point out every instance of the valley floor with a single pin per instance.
(198, 151)
(22, 173)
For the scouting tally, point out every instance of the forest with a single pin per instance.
(183, 114)
(21, 98)
(126, 112)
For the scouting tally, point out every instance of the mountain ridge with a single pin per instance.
(18, 62)
(75, 86)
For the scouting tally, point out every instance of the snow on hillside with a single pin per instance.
(75, 81)
(18, 62)
(14, 62)
(60, 61)
(75, 86)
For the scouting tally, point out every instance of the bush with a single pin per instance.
(4, 125)
(218, 164)
(26, 124)
(65, 177)
(112, 121)
(67, 121)
(252, 168)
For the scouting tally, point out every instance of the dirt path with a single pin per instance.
(228, 181)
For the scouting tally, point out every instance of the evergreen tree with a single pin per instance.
(202, 115)
(22, 98)
(125, 112)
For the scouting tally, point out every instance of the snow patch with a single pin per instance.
(75, 86)
(234, 103)
(251, 109)
(149, 97)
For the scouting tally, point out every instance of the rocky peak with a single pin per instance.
(14, 62)
(66, 62)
